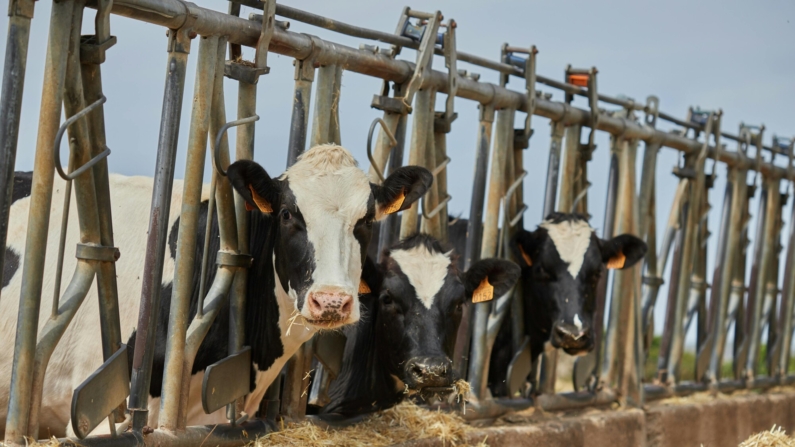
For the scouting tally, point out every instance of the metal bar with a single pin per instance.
(173, 13)
(221, 133)
(157, 234)
(186, 243)
(553, 168)
(19, 398)
(784, 343)
(390, 226)
(481, 348)
(474, 228)
(304, 76)
(14, 64)
(421, 136)
(570, 169)
(326, 106)
(374, 165)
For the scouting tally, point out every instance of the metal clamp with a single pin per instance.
(444, 202)
(652, 110)
(97, 253)
(521, 137)
(229, 259)
(57, 154)
(392, 144)
(586, 78)
(250, 73)
(443, 120)
(224, 128)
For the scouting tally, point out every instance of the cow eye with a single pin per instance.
(286, 214)
(542, 274)
(386, 298)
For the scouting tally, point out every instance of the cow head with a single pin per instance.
(322, 210)
(562, 263)
(420, 301)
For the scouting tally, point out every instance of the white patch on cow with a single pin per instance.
(571, 239)
(332, 194)
(425, 270)
(577, 322)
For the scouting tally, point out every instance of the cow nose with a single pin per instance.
(429, 371)
(568, 334)
(330, 306)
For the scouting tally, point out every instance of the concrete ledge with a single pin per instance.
(697, 420)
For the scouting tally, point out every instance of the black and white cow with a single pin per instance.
(310, 229)
(562, 263)
(407, 333)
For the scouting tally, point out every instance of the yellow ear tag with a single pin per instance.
(395, 205)
(262, 204)
(617, 261)
(525, 256)
(363, 287)
(484, 292)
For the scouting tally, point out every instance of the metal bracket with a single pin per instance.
(179, 39)
(56, 147)
(226, 380)
(233, 259)
(652, 110)
(221, 132)
(101, 393)
(247, 72)
(429, 38)
(92, 48)
(443, 120)
(521, 137)
(97, 253)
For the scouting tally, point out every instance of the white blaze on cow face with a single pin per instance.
(332, 194)
(425, 271)
(571, 239)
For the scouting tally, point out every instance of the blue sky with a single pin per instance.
(738, 56)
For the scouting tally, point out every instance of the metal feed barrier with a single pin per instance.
(717, 305)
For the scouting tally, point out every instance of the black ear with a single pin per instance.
(622, 251)
(525, 245)
(499, 274)
(402, 188)
(255, 185)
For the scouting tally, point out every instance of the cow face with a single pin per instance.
(421, 299)
(562, 264)
(322, 209)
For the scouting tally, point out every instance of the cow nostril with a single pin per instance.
(347, 306)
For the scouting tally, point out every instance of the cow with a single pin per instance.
(406, 337)
(562, 262)
(309, 233)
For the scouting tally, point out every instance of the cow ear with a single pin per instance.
(255, 185)
(490, 278)
(372, 277)
(622, 251)
(402, 188)
(525, 245)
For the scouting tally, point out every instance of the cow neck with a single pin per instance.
(364, 384)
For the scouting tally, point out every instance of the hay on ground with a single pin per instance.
(775, 437)
(403, 423)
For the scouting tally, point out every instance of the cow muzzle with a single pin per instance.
(422, 372)
(329, 309)
(572, 339)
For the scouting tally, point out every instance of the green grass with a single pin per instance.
(688, 363)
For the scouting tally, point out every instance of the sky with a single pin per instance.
(733, 55)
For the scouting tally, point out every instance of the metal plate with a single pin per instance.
(101, 393)
(226, 380)
(329, 349)
(519, 368)
(583, 370)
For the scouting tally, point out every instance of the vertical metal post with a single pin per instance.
(20, 13)
(327, 97)
(304, 76)
(474, 227)
(481, 351)
(553, 168)
(188, 225)
(570, 168)
(19, 398)
(784, 343)
(421, 139)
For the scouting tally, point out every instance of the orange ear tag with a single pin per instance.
(484, 292)
(363, 287)
(262, 204)
(525, 256)
(617, 261)
(395, 205)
